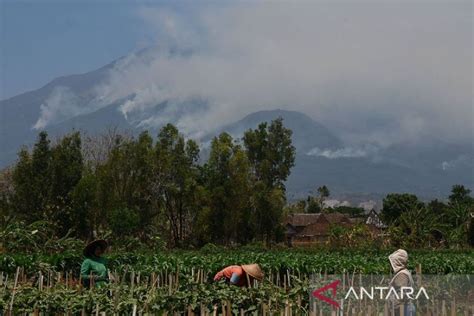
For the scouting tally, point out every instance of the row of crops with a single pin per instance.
(302, 261)
(181, 281)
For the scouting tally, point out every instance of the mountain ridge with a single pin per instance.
(429, 168)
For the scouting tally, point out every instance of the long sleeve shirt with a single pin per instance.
(97, 268)
(234, 274)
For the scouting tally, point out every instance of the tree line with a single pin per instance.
(168, 189)
(408, 221)
(149, 187)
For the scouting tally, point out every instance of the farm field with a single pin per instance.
(181, 281)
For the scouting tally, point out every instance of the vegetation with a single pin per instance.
(182, 280)
(174, 219)
(147, 188)
(410, 222)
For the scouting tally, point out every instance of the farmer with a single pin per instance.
(93, 268)
(402, 278)
(240, 275)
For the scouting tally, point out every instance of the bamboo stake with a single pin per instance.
(14, 290)
(170, 284)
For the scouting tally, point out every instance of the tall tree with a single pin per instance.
(227, 178)
(175, 182)
(65, 172)
(86, 214)
(6, 195)
(270, 150)
(31, 179)
(272, 155)
(124, 181)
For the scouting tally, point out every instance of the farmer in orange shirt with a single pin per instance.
(237, 275)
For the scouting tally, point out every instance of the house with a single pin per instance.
(307, 229)
(304, 228)
(373, 219)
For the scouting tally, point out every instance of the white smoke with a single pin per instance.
(62, 104)
(368, 205)
(345, 152)
(463, 161)
(374, 72)
(335, 203)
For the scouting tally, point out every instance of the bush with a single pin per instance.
(124, 221)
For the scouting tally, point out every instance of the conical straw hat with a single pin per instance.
(90, 248)
(253, 270)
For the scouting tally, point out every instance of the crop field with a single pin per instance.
(180, 282)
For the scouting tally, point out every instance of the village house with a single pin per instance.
(307, 229)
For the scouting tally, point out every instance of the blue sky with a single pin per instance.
(41, 40)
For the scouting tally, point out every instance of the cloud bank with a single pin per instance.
(378, 72)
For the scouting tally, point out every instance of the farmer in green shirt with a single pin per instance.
(93, 269)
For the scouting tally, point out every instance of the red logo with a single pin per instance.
(331, 286)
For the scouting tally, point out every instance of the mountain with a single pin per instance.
(427, 168)
(307, 133)
(20, 113)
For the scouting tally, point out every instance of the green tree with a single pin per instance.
(437, 207)
(84, 205)
(65, 172)
(175, 185)
(460, 195)
(124, 222)
(323, 194)
(313, 205)
(6, 195)
(471, 232)
(31, 180)
(268, 213)
(124, 181)
(271, 154)
(417, 226)
(396, 204)
(227, 178)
